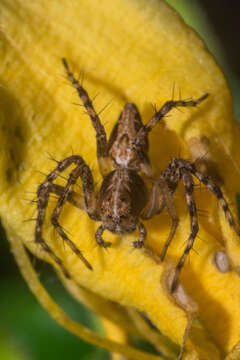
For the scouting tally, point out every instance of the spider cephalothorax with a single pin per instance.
(124, 198)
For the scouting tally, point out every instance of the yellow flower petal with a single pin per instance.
(234, 354)
(130, 51)
(61, 317)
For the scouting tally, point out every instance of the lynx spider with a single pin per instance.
(123, 197)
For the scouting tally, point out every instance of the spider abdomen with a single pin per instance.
(122, 197)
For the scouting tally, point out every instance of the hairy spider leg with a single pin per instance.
(189, 190)
(180, 168)
(168, 199)
(42, 202)
(99, 239)
(80, 171)
(161, 197)
(99, 128)
(168, 106)
(44, 189)
(73, 197)
(143, 234)
(161, 194)
(136, 244)
(214, 188)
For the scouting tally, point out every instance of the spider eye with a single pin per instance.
(123, 216)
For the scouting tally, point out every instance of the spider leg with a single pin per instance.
(66, 193)
(189, 188)
(161, 196)
(143, 233)
(42, 202)
(215, 189)
(74, 175)
(178, 168)
(156, 201)
(99, 239)
(73, 197)
(210, 184)
(168, 106)
(175, 221)
(99, 128)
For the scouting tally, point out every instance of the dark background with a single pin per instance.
(224, 16)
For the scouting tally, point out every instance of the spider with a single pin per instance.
(124, 198)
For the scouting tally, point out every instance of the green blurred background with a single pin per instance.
(27, 332)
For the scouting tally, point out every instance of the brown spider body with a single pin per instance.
(122, 148)
(123, 194)
(123, 197)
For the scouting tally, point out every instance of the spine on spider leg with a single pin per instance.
(165, 109)
(43, 196)
(101, 136)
